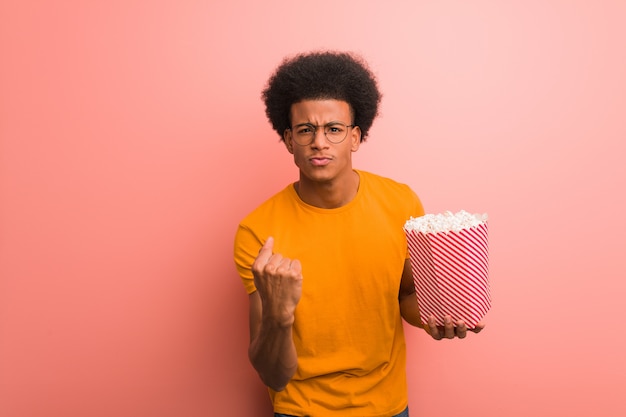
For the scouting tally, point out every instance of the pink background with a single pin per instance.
(133, 139)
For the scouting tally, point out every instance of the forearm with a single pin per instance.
(272, 307)
(409, 309)
(273, 354)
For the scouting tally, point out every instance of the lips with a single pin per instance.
(319, 161)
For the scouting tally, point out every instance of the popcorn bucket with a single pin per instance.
(451, 273)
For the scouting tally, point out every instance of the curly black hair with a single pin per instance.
(322, 75)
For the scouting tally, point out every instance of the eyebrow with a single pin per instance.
(326, 124)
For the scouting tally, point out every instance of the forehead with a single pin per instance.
(320, 111)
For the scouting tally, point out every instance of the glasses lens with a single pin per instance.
(336, 132)
(304, 134)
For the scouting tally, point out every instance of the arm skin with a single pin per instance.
(409, 310)
(272, 307)
(408, 301)
(271, 351)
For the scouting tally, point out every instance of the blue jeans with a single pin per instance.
(405, 413)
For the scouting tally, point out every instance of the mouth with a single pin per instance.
(319, 161)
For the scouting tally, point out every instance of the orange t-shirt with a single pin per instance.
(348, 330)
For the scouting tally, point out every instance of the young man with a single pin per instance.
(325, 261)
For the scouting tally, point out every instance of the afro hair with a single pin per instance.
(322, 75)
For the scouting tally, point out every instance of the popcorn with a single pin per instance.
(450, 264)
(445, 222)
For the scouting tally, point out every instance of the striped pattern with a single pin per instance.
(451, 274)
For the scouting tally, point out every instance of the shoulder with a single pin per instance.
(375, 181)
(272, 205)
(259, 221)
(254, 229)
(391, 191)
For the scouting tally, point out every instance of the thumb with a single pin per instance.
(267, 248)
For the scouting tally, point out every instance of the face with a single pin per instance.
(322, 160)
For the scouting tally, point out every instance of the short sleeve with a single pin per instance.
(247, 246)
(416, 210)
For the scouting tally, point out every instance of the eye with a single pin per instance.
(304, 129)
(334, 129)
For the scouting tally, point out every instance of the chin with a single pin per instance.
(319, 175)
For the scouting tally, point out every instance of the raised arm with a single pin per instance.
(279, 286)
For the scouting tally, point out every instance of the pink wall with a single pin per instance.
(133, 139)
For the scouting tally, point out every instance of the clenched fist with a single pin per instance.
(278, 281)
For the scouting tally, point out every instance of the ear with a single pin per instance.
(287, 138)
(355, 138)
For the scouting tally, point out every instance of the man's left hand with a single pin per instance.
(450, 330)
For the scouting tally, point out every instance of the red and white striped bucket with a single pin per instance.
(451, 273)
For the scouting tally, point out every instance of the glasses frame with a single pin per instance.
(315, 128)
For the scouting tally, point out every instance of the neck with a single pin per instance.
(330, 194)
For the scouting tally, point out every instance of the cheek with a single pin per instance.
(298, 157)
(348, 150)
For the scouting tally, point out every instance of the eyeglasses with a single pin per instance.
(304, 134)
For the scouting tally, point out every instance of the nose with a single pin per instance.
(319, 139)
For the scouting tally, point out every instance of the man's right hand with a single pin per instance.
(278, 281)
